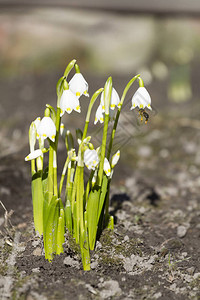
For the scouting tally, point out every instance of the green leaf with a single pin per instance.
(92, 216)
(38, 201)
(103, 195)
(84, 246)
(61, 232)
(50, 234)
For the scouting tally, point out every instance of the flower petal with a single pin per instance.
(33, 155)
(78, 85)
(141, 99)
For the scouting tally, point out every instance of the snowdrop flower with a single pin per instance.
(114, 101)
(33, 133)
(46, 129)
(141, 99)
(115, 159)
(34, 154)
(99, 115)
(78, 85)
(69, 102)
(106, 167)
(91, 159)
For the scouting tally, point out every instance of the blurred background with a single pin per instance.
(158, 39)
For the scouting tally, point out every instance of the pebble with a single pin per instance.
(181, 231)
(190, 270)
(111, 289)
(126, 238)
(94, 265)
(37, 251)
(71, 262)
(36, 270)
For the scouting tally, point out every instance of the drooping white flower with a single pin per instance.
(141, 99)
(99, 115)
(114, 101)
(69, 102)
(91, 159)
(34, 154)
(46, 129)
(115, 159)
(33, 133)
(106, 167)
(78, 85)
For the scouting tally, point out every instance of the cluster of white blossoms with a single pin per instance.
(114, 102)
(70, 97)
(91, 160)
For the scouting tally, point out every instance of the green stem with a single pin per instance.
(79, 200)
(103, 150)
(50, 174)
(92, 101)
(63, 176)
(118, 114)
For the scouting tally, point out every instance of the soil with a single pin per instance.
(154, 250)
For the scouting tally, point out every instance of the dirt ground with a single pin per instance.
(154, 251)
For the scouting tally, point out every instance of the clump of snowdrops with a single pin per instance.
(83, 209)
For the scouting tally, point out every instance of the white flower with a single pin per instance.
(91, 159)
(78, 85)
(33, 133)
(69, 102)
(99, 115)
(115, 159)
(34, 154)
(46, 129)
(106, 167)
(114, 101)
(141, 99)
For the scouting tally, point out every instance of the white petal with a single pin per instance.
(67, 101)
(114, 101)
(99, 115)
(33, 155)
(47, 129)
(76, 105)
(91, 159)
(106, 167)
(78, 85)
(115, 159)
(141, 99)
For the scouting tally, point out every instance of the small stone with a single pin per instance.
(111, 289)
(157, 295)
(181, 231)
(196, 275)
(37, 251)
(36, 270)
(35, 243)
(190, 270)
(69, 261)
(126, 238)
(94, 265)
